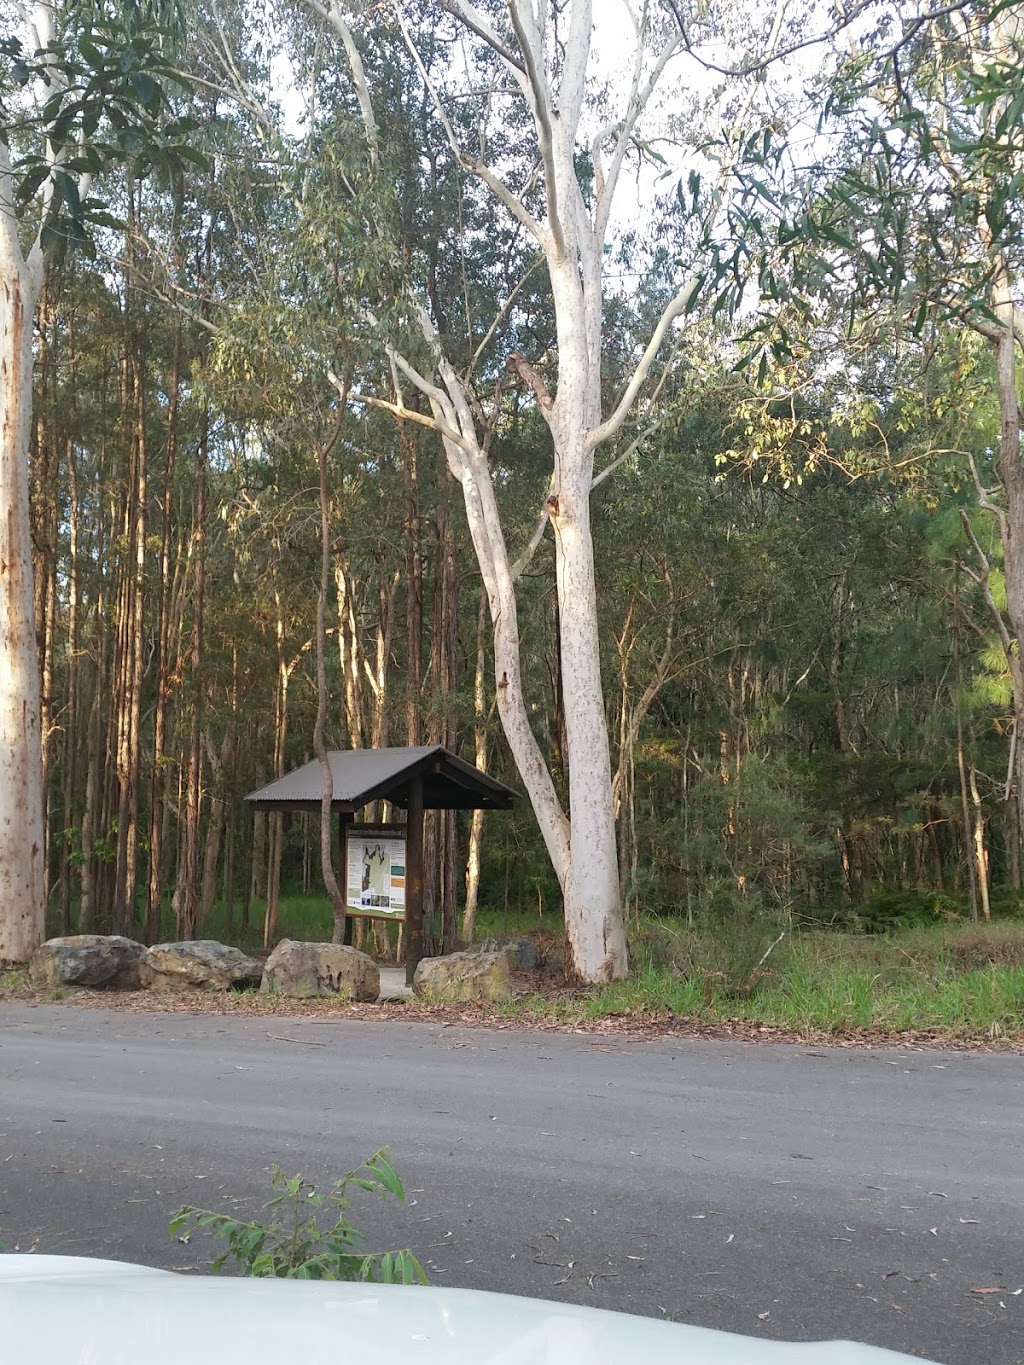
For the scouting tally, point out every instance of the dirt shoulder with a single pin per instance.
(550, 1010)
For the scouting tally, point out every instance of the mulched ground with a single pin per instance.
(640, 1025)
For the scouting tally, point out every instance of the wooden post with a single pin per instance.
(414, 879)
(345, 818)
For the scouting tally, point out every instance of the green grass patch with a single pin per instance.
(955, 979)
(309, 918)
(13, 979)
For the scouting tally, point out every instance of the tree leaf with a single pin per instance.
(146, 88)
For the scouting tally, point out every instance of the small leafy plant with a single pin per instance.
(290, 1243)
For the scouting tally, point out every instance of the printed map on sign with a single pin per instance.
(376, 874)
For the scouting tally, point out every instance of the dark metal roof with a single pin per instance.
(364, 775)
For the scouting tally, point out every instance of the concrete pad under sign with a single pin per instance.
(392, 985)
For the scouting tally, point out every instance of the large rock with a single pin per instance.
(202, 964)
(308, 969)
(464, 976)
(521, 952)
(98, 960)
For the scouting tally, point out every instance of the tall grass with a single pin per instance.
(957, 978)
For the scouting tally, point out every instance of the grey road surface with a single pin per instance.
(791, 1192)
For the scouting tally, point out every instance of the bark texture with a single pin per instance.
(22, 840)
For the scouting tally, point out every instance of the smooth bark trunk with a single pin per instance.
(319, 747)
(154, 887)
(476, 828)
(22, 836)
(193, 801)
(71, 722)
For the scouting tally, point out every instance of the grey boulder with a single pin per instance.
(201, 964)
(522, 952)
(102, 961)
(463, 976)
(304, 970)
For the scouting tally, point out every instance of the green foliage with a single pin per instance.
(926, 145)
(1007, 903)
(107, 81)
(291, 1242)
(893, 910)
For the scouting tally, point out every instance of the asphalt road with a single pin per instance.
(789, 1192)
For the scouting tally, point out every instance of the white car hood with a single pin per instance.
(65, 1310)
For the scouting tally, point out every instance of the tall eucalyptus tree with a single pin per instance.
(81, 87)
(563, 185)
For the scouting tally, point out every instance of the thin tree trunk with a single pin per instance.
(379, 714)
(319, 748)
(307, 853)
(257, 880)
(972, 876)
(247, 876)
(1011, 829)
(90, 882)
(220, 767)
(1012, 523)
(230, 786)
(276, 840)
(46, 688)
(211, 859)
(980, 852)
(476, 828)
(229, 875)
(22, 835)
(433, 848)
(154, 888)
(43, 507)
(193, 799)
(87, 903)
(382, 662)
(109, 655)
(413, 587)
(126, 487)
(349, 654)
(450, 651)
(71, 712)
(128, 813)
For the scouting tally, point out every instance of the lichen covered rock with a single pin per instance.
(201, 964)
(304, 970)
(100, 961)
(464, 976)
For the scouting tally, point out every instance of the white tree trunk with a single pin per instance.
(593, 913)
(476, 829)
(593, 910)
(546, 62)
(22, 870)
